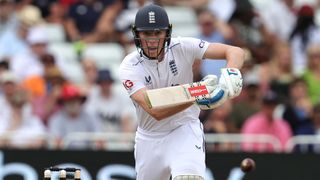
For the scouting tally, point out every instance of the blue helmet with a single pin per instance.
(151, 18)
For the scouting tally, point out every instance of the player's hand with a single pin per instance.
(210, 80)
(231, 78)
(217, 95)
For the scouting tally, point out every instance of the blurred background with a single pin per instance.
(62, 103)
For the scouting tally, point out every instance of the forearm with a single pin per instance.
(159, 114)
(235, 57)
(72, 31)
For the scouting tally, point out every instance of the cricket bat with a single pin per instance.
(176, 95)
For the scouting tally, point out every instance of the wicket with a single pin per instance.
(63, 173)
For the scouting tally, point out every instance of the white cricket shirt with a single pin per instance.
(137, 72)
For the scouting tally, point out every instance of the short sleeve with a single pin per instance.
(129, 76)
(194, 47)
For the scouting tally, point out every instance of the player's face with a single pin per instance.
(152, 42)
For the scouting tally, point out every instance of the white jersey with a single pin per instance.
(137, 72)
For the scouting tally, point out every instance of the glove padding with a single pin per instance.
(231, 78)
(210, 80)
(217, 93)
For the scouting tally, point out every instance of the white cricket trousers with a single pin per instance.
(179, 152)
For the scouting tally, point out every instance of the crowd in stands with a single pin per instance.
(43, 92)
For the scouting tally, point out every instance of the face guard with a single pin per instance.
(153, 47)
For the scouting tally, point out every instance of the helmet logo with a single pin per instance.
(152, 17)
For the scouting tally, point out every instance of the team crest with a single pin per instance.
(173, 67)
(152, 17)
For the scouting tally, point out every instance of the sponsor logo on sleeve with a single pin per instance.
(201, 44)
(128, 84)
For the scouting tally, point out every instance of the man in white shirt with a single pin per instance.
(111, 106)
(169, 142)
(29, 64)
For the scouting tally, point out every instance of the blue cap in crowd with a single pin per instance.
(104, 75)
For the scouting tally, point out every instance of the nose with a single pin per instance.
(153, 40)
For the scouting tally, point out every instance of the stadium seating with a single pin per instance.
(185, 31)
(55, 32)
(65, 50)
(183, 20)
(105, 54)
(302, 143)
(179, 15)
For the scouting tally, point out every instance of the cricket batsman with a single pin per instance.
(169, 142)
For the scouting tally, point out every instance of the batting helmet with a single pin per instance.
(151, 18)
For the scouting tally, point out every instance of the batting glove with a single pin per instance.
(210, 80)
(217, 93)
(231, 78)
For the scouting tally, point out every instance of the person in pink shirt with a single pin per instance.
(264, 122)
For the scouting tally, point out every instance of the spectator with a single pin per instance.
(316, 122)
(112, 108)
(248, 105)
(312, 74)
(47, 105)
(38, 41)
(67, 3)
(4, 66)
(249, 31)
(17, 118)
(316, 119)
(222, 9)
(35, 85)
(7, 17)
(92, 21)
(212, 30)
(90, 70)
(21, 4)
(218, 122)
(277, 73)
(195, 4)
(298, 110)
(264, 123)
(7, 88)
(44, 6)
(125, 20)
(72, 117)
(304, 33)
(279, 18)
(56, 14)
(48, 61)
(315, 130)
(13, 41)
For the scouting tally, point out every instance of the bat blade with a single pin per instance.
(175, 95)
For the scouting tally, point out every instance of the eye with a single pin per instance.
(157, 33)
(147, 33)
